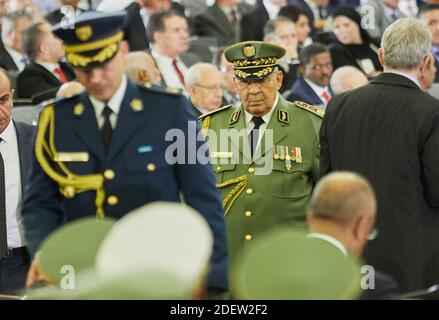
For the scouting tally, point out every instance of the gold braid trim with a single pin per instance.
(205, 126)
(70, 184)
(231, 197)
(78, 60)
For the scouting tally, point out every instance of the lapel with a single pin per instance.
(312, 95)
(40, 69)
(221, 20)
(7, 60)
(24, 138)
(86, 127)
(129, 120)
(278, 128)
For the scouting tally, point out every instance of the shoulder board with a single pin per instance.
(58, 100)
(317, 111)
(214, 111)
(156, 88)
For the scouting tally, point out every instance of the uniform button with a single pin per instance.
(69, 192)
(248, 214)
(248, 237)
(150, 167)
(218, 169)
(112, 200)
(249, 191)
(109, 174)
(251, 170)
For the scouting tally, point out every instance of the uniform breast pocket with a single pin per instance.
(284, 183)
(224, 172)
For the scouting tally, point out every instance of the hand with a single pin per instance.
(35, 276)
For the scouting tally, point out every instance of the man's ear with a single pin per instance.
(425, 62)
(279, 79)
(362, 227)
(380, 56)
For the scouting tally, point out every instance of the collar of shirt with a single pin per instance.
(390, 11)
(17, 57)
(336, 243)
(318, 89)
(49, 67)
(8, 134)
(114, 103)
(164, 64)
(267, 117)
(145, 13)
(406, 75)
(272, 9)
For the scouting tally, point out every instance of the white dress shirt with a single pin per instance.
(331, 240)
(319, 90)
(11, 159)
(164, 63)
(267, 117)
(49, 67)
(19, 58)
(114, 104)
(145, 14)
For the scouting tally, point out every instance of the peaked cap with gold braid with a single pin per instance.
(254, 60)
(94, 40)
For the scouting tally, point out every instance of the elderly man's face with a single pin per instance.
(208, 93)
(102, 82)
(258, 96)
(318, 69)
(6, 97)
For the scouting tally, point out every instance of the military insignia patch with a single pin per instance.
(173, 90)
(78, 110)
(235, 117)
(84, 33)
(72, 157)
(284, 116)
(136, 105)
(317, 111)
(249, 51)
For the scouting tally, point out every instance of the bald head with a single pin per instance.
(347, 78)
(140, 67)
(341, 197)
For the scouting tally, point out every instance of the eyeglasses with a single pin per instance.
(373, 234)
(244, 84)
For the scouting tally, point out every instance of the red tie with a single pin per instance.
(178, 71)
(61, 76)
(326, 97)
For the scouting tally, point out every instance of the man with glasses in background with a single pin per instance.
(264, 151)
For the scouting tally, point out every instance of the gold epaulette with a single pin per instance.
(205, 119)
(317, 111)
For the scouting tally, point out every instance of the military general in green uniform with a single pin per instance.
(265, 152)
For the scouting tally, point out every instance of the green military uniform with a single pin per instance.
(255, 199)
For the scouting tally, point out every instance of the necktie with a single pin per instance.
(254, 134)
(61, 76)
(326, 97)
(322, 13)
(107, 129)
(3, 231)
(233, 17)
(178, 71)
(394, 15)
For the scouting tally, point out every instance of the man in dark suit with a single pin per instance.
(41, 79)
(15, 151)
(388, 131)
(430, 15)
(316, 69)
(342, 212)
(222, 21)
(169, 34)
(12, 55)
(252, 24)
(107, 153)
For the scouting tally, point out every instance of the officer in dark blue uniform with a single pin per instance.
(104, 152)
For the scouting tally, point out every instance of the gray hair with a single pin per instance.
(194, 73)
(271, 25)
(9, 22)
(405, 43)
(340, 196)
(347, 78)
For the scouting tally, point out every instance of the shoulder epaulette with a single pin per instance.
(57, 101)
(156, 88)
(214, 111)
(317, 111)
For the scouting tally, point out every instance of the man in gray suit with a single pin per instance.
(222, 21)
(169, 34)
(381, 14)
(15, 148)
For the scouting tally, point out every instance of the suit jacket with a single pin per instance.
(54, 17)
(277, 195)
(135, 31)
(197, 113)
(24, 139)
(302, 91)
(388, 131)
(6, 61)
(385, 289)
(252, 24)
(436, 64)
(141, 172)
(35, 80)
(213, 22)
